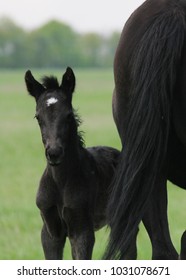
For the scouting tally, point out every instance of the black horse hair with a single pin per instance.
(50, 82)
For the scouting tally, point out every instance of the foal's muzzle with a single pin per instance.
(54, 155)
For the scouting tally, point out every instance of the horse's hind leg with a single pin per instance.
(53, 235)
(183, 247)
(131, 253)
(80, 233)
(156, 223)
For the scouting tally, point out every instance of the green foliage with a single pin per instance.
(12, 41)
(53, 45)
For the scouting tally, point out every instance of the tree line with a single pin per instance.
(54, 44)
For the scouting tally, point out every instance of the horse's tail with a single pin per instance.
(154, 68)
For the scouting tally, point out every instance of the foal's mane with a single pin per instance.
(80, 133)
(51, 83)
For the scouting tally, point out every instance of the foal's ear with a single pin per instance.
(68, 82)
(34, 87)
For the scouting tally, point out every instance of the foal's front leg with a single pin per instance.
(53, 234)
(80, 233)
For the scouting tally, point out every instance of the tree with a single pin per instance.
(92, 46)
(11, 43)
(54, 45)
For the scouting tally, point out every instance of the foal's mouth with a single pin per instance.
(54, 163)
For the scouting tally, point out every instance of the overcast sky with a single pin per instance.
(83, 15)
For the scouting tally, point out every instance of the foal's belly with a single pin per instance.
(99, 221)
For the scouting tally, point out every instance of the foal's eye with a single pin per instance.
(38, 119)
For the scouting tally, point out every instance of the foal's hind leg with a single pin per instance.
(53, 235)
(80, 233)
(156, 223)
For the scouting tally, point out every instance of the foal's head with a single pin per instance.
(54, 112)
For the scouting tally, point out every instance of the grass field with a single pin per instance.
(22, 162)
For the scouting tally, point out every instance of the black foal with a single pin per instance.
(74, 188)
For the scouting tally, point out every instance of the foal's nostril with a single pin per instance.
(54, 155)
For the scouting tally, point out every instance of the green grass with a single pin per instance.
(22, 161)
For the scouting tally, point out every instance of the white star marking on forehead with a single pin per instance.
(51, 101)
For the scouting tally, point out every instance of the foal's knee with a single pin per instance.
(54, 233)
(53, 223)
(79, 225)
(80, 233)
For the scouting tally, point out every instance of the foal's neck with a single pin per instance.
(71, 163)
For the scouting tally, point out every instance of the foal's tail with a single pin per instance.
(154, 70)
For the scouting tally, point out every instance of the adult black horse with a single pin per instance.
(149, 107)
